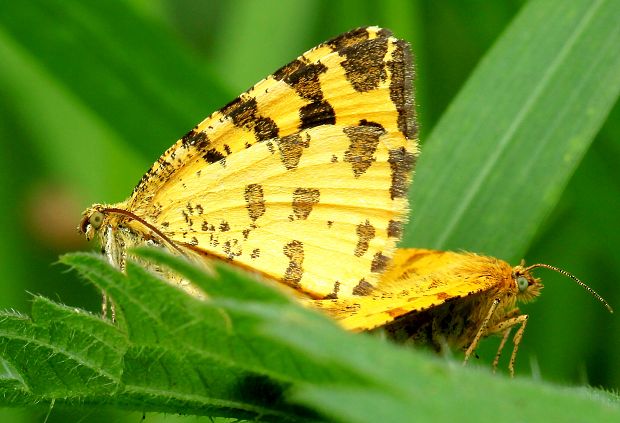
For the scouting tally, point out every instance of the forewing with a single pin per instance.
(304, 177)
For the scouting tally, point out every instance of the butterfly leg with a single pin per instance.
(481, 331)
(505, 336)
(501, 347)
(505, 326)
(516, 341)
(113, 249)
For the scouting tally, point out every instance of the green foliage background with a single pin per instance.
(93, 92)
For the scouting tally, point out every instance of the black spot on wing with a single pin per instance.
(363, 142)
(395, 229)
(334, 294)
(212, 156)
(294, 250)
(365, 233)
(195, 139)
(401, 163)
(362, 288)
(291, 149)
(304, 199)
(316, 114)
(401, 88)
(348, 39)
(244, 114)
(255, 201)
(304, 79)
(379, 263)
(364, 64)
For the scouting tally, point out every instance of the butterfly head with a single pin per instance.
(111, 221)
(93, 219)
(529, 287)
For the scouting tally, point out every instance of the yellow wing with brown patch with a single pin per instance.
(417, 280)
(304, 177)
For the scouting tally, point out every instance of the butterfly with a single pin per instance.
(303, 179)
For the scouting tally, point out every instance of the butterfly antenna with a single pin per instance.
(583, 285)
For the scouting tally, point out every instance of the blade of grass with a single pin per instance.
(498, 160)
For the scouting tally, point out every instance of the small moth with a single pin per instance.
(443, 298)
(303, 179)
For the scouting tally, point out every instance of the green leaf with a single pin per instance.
(55, 359)
(216, 283)
(230, 355)
(498, 160)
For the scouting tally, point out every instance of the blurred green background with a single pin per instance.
(93, 92)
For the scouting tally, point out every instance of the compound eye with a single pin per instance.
(522, 283)
(96, 220)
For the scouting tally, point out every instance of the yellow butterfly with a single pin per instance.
(303, 179)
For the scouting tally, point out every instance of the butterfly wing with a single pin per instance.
(304, 177)
(418, 280)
